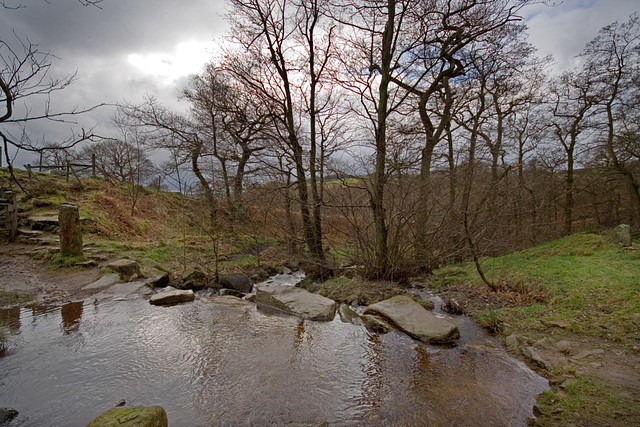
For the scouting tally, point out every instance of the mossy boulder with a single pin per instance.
(158, 279)
(126, 268)
(139, 416)
(621, 235)
(7, 414)
(237, 281)
(193, 278)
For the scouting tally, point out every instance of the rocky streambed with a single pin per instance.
(222, 361)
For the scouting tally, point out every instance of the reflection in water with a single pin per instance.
(71, 316)
(10, 317)
(372, 387)
(209, 364)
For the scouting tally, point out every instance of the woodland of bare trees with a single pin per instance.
(402, 134)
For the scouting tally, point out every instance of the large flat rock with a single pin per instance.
(125, 290)
(228, 301)
(413, 319)
(296, 301)
(103, 282)
(172, 296)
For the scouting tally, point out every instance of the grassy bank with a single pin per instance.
(565, 299)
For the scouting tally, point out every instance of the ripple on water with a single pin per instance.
(208, 364)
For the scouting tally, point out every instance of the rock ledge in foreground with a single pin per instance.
(139, 416)
(413, 319)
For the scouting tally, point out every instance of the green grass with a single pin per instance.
(245, 261)
(592, 400)
(65, 261)
(596, 287)
(591, 286)
(162, 253)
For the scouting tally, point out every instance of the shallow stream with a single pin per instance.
(218, 365)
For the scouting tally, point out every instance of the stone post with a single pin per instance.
(70, 232)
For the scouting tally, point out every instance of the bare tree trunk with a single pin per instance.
(316, 217)
(208, 194)
(383, 266)
(568, 196)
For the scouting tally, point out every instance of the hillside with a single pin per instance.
(142, 223)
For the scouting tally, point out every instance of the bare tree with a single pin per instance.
(573, 102)
(614, 55)
(265, 31)
(373, 48)
(233, 123)
(24, 77)
(169, 130)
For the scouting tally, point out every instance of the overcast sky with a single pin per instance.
(131, 47)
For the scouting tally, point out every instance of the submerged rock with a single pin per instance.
(296, 301)
(171, 297)
(140, 416)
(413, 319)
(236, 281)
(125, 289)
(376, 323)
(227, 301)
(347, 315)
(7, 414)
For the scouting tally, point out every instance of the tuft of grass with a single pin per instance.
(58, 260)
(243, 262)
(491, 320)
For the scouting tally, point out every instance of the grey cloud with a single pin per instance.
(563, 30)
(96, 42)
(66, 27)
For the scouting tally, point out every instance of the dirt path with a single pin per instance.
(22, 272)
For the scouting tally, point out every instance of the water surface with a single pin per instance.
(214, 365)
